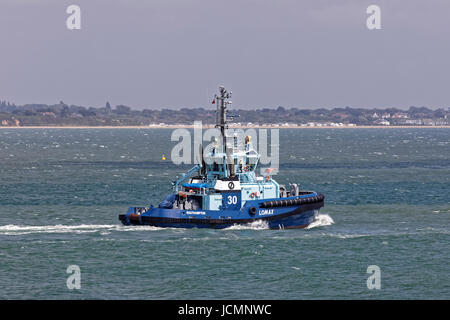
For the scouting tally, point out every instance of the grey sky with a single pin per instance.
(174, 53)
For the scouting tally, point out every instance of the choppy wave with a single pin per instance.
(83, 228)
(321, 221)
(256, 225)
(11, 229)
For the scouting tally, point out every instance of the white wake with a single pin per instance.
(11, 229)
(255, 225)
(322, 220)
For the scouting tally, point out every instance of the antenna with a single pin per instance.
(221, 111)
(221, 120)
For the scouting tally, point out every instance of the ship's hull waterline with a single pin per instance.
(280, 215)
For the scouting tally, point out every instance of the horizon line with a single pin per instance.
(236, 108)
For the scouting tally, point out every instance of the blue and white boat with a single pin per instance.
(225, 190)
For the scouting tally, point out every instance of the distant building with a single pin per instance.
(49, 114)
(441, 122)
(413, 122)
(383, 122)
(400, 115)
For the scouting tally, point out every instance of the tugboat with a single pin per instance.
(224, 190)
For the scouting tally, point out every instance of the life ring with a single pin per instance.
(253, 194)
(246, 168)
(267, 178)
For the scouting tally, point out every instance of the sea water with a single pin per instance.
(387, 204)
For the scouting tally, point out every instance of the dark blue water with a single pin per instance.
(387, 204)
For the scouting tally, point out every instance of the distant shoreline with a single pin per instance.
(212, 126)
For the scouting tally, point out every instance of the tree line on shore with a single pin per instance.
(63, 114)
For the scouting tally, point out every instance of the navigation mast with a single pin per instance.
(222, 124)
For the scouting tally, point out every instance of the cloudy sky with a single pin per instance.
(174, 53)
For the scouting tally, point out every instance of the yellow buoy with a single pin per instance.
(163, 157)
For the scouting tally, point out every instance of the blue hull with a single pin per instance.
(294, 212)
